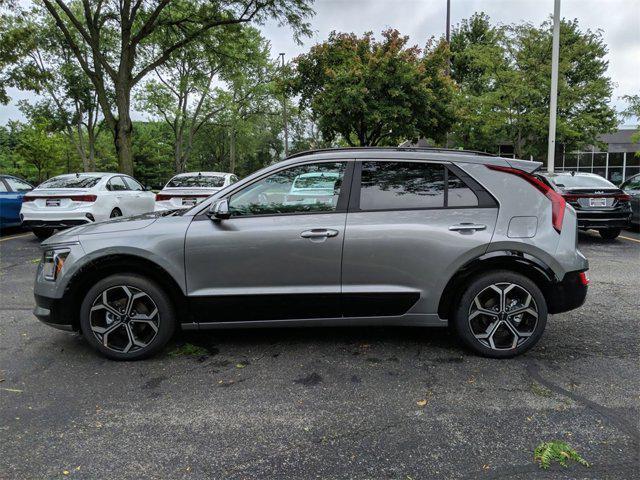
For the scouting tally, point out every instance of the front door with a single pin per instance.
(279, 255)
(410, 226)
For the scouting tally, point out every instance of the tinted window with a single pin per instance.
(116, 184)
(233, 179)
(70, 181)
(18, 185)
(632, 184)
(458, 194)
(305, 188)
(580, 181)
(132, 184)
(204, 181)
(387, 185)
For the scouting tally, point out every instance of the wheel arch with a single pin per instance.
(112, 264)
(523, 263)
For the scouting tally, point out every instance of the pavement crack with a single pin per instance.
(620, 422)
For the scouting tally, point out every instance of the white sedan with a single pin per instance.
(188, 189)
(75, 199)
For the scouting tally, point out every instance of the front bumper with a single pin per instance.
(47, 312)
(568, 294)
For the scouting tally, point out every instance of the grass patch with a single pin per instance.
(556, 451)
(540, 391)
(188, 350)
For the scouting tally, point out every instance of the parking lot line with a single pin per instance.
(629, 238)
(15, 236)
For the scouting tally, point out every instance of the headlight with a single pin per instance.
(52, 263)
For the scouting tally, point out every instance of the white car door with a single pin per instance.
(143, 201)
(121, 195)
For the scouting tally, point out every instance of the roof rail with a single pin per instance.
(392, 149)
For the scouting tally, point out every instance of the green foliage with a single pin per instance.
(188, 350)
(504, 78)
(556, 451)
(371, 92)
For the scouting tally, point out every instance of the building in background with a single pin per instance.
(616, 162)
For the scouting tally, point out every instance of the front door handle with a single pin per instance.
(319, 233)
(466, 226)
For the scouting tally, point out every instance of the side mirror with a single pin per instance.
(220, 210)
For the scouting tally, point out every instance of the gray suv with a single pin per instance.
(364, 236)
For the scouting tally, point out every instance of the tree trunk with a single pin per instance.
(123, 131)
(232, 149)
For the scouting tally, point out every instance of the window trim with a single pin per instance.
(343, 199)
(124, 182)
(134, 181)
(485, 199)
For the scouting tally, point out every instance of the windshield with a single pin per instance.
(580, 181)
(79, 181)
(201, 181)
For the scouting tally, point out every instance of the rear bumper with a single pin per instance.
(603, 220)
(568, 294)
(48, 314)
(55, 223)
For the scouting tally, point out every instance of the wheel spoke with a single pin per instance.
(491, 328)
(149, 322)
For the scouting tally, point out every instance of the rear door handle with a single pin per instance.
(319, 233)
(466, 226)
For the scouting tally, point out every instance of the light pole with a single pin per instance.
(448, 30)
(553, 103)
(284, 112)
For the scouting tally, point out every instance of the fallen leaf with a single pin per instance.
(240, 365)
(65, 472)
(14, 390)
(421, 403)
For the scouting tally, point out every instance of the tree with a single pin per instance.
(372, 92)
(633, 111)
(45, 67)
(504, 76)
(121, 43)
(39, 148)
(183, 93)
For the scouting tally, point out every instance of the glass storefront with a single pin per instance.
(615, 166)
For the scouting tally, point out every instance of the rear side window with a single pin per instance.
(3, 187)
(401, 185)
(458, 193)
(18, 185)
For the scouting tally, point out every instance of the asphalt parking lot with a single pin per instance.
(402, 403)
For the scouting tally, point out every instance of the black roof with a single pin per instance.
(393, 149)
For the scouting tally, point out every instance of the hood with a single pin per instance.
(120, 224)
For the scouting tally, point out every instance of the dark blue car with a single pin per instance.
(12, 189)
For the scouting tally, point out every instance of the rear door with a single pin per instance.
(11, 192)
(121, 195)
(410, 226)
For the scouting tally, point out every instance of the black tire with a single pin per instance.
(42, 232)
(115, 213)
(463, 325)
(166, 319)
(609, 233)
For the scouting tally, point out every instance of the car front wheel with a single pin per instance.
(501, 314)
(127, 317)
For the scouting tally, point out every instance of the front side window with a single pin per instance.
(18, 185)
(133, 184)
(401, 185)
(3, 187)
(116, 184)
(301, 189)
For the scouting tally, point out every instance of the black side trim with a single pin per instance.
(230, 308)
(485, 199)
(378, 304)
(53, 223)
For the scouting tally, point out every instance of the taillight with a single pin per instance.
(584, 278)
(83, 198)
(623, 197)
(26, 199)
(558, 203)
(161, 196)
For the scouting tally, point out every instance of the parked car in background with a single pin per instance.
(188, 189)
(631, 187)
(75, 199)
(418, 238)
(600, 205)
(12, 189)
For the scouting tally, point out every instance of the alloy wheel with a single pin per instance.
(503, 316)
(124, 319)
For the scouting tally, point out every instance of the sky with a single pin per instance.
(421, 19)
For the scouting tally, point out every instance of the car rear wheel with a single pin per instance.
(501, 314)
(127, 317)
(115, 213)
(42, 232)
(609, 233)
